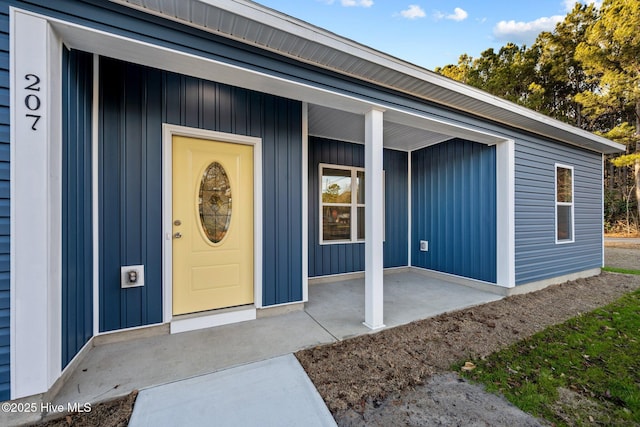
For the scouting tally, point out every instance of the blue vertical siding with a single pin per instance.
(135, 101)
(454, 208)
(349, 257)
(282, 199)
(5, 336)
(538, 257)
(396, 191)
(77, 238)
(128, 161)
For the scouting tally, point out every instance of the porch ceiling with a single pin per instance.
(344, 126)
(402, 131)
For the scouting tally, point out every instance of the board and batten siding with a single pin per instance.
(342, 258)
(454, 209)
(538, 257)
(5, 157)
(77, 221)
(134, 102)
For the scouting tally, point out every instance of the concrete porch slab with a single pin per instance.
(116, 369)
(408, 296)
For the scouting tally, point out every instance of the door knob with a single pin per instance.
(177, 235)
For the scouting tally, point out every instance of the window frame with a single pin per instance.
(353, 205)
(570, 204)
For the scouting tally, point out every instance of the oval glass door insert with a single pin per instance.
(215, 202)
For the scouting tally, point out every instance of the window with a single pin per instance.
(341, 204)
(564, 204)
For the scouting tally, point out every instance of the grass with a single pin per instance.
(620, 270)
(584, 371)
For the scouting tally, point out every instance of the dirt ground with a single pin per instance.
(362, 377)
(111, 413)
(401, 376)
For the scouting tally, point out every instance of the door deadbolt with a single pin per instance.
(177, 222)
(177, 235)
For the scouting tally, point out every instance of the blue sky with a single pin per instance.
(430, 33)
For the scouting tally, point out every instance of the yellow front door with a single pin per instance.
(212, 225)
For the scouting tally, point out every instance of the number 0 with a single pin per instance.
(32, 102)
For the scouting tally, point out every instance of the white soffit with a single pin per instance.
(257, 25)
(340, 125)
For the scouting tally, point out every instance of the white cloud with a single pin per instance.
(414, 11)
(457, 15)
(351, 3)
(525, 32)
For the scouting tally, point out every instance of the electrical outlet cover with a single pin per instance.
(124, 276)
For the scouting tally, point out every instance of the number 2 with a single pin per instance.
(33, 85)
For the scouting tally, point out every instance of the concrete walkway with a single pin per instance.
(184, 361)
(275, 392)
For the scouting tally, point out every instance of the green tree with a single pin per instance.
(560, 75)
(610, 55)
(458, 72)
(507, 73)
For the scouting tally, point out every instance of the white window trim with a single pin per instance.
(354, 205)
(557, 203)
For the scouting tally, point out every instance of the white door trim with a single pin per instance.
(168, 132)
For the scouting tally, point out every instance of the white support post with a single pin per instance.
(374, 233)
(505, 214)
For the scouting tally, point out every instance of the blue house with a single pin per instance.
(194, 162)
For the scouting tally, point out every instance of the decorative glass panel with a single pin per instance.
(336, 186)
(336, 223)
(215, 202)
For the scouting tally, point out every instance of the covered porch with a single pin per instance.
(459, 179)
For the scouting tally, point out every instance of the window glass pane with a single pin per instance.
(360, 223)
(336, 223)
(214, 202)
(336, 186)
(564, 185)
(360, 187)
(564, 222)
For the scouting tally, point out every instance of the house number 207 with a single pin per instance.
(32, 100)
